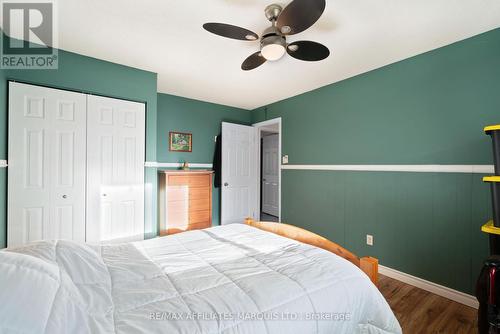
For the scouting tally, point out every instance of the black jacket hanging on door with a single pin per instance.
(217, 164)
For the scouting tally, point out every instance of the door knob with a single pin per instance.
(226, 184)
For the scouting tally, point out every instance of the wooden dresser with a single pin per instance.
(185, 200)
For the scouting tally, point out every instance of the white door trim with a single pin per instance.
(469, 169)
(259, 127)
(443, 291)
(3, 163)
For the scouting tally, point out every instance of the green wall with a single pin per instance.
(89, 75)
(424, 224)
(429, 109)
(203, 120)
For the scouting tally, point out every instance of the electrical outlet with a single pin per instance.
(285, 159)
(369, 240)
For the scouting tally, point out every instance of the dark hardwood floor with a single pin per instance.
(419, 311)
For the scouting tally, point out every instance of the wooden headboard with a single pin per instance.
(367, 264)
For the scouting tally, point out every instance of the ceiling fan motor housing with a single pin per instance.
(273, 11)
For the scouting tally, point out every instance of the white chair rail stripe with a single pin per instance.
(154, 164)
(471, 169)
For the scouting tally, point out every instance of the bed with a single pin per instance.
(241, 278)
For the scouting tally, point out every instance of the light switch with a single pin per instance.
(285, 159)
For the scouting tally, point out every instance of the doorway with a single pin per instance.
(269, 162)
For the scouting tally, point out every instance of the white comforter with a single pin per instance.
(230, 279)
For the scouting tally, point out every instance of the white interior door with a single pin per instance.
(270, 175)
(115, 165)
(47, 153)
(239, 172)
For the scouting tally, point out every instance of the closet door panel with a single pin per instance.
(47, 154)
(68, 167)
(115, 183)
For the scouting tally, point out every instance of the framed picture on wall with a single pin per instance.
(180, 142)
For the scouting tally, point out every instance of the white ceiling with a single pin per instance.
(166, 37)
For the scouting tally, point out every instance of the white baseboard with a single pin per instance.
(459, 297)
(3, 163)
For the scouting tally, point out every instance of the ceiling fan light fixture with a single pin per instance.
(273, 47)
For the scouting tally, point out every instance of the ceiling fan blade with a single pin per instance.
(299, 15)
(308, 50)
(230, 31)
(252, 62)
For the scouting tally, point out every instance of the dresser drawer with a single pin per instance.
(190, 206)
(200, 217)
(200, 180)
(178, 206)
(183, 193)
(191, 180)
(177, 180)
(199, 205)
(177, 193)
(178, 218)
(200, 193)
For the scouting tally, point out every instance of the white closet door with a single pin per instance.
(47, 153)
(115, 167)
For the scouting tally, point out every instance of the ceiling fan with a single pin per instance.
(298, 16)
